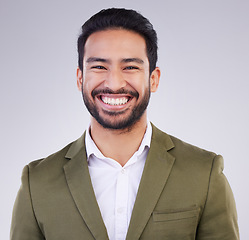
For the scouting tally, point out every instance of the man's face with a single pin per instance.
(115, 82)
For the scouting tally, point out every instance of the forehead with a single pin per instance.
(115, 43)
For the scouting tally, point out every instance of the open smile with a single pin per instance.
(114, 102)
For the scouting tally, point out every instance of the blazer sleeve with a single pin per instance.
(219, 218)
(24, 225)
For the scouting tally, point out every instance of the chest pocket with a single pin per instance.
(176, 224)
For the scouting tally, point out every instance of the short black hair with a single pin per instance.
(120, 18)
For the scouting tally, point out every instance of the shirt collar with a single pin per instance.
(91, 147)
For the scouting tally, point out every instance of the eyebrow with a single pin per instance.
(128, 60)
(96, 59)
(125, 60)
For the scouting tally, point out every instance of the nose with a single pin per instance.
(115, 80)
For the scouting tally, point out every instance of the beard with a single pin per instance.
(114, 119)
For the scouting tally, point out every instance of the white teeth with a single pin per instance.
(115, 101)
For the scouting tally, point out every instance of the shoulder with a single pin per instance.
(182, 147)
(183, 152)
(193, 166)
(56, 161)
(46, 176)
(53, 159)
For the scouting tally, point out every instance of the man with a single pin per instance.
(124, 178)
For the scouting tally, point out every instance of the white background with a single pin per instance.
(203, 96)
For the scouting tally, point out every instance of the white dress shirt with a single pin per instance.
(115, 186)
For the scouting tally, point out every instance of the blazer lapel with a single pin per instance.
(79, 183)
(156, 172)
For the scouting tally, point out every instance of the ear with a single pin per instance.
(79, 79)
(154, 79)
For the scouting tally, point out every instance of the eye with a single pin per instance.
(131, 68)
(98, 67)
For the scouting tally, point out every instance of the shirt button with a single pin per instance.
(120, 210)
(123, 171)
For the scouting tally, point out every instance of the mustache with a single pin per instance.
(109, 91)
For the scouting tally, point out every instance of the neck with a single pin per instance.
(119, 145)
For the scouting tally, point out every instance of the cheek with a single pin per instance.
(88, 82)
(141, 86)
(87, 88)
(93, 80)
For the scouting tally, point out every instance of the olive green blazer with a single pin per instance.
(183, 195)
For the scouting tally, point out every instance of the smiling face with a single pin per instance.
(115, 81)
